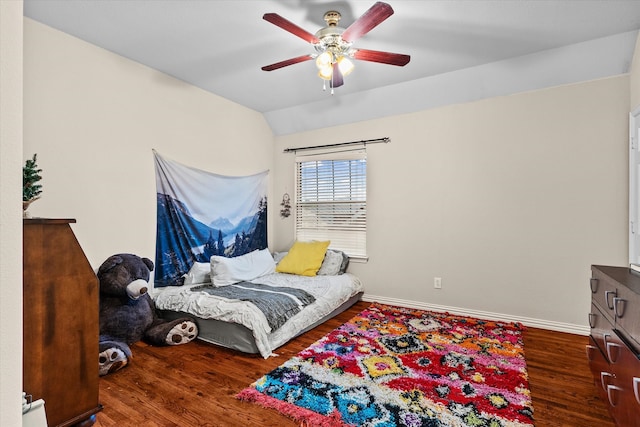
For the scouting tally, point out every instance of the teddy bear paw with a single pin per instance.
(112, 359)
(182, 333)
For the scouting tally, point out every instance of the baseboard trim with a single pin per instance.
(527, 321)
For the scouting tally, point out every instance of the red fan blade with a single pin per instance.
(286, 25)
(382, 57)
(336, 77)
(287, 62)
(368, 21)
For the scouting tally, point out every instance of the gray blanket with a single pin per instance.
(277, 303)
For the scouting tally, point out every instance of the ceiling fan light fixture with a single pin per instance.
(345, 65)
(325, 59)
(325, 66)
(326, 72)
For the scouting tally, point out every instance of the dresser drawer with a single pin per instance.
(626, 309)
(603, 291)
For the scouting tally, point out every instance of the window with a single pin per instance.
(331, 200)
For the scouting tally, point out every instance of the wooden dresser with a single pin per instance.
(614, 344)
(60, 359)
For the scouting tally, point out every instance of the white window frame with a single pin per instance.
(634, 187)
(313, 210)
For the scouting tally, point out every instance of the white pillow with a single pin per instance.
(226, 271)
(200, 272)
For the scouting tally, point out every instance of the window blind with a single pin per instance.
(331, 200)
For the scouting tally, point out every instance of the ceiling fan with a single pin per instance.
(333, 44)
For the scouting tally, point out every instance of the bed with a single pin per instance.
(232, 321)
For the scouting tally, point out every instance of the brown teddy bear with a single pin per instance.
(128, 314)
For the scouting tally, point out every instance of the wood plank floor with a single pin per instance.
(195, 384)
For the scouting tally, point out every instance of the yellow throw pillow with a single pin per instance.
(304, 258)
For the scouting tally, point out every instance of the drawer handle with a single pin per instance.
(604, 375)
(609, 393)
(609, 345)
(617, 302)
(636, 386)
(592, 320)
(605, 338)
(593, 284)
(606, 297)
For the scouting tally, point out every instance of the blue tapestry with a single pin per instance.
(201, 214)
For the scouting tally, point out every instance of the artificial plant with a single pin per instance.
(30, 176)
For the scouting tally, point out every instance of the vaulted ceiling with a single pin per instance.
(460, 50)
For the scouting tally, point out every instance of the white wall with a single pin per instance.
(509, 200)
(93, 118)
(10, 213)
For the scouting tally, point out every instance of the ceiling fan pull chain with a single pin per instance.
(332, 85)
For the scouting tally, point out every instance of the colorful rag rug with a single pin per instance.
(392, 366)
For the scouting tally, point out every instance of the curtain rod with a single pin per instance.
(386, 139)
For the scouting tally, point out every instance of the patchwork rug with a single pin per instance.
(393, 366)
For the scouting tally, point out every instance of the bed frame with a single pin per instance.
(239, 337)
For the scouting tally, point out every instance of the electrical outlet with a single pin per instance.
(437, 282)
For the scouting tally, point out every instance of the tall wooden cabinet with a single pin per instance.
(60, 294)
(614, 347)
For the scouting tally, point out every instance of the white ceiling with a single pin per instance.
(460, 50)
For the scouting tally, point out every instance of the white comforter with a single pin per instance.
(330, 292)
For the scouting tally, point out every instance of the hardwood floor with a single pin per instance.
(195, 384)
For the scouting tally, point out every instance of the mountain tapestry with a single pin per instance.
(200, 214)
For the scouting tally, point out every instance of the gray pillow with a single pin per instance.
(330, 264)
(334, 263)
(345, 262)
